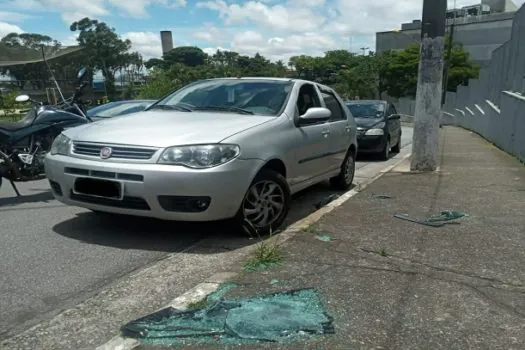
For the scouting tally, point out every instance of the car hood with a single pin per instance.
(368, 123)
(165, 128)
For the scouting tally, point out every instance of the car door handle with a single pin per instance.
(326, 132)
(348, 128)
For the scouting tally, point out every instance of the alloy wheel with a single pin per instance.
(264, 203)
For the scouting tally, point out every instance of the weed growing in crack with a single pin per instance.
(311, 229)
(265, 256)
(383, 252)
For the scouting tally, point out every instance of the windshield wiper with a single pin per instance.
(171, 107)
(224, 108)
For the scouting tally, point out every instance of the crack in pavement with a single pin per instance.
(435, 275)
(512, 287)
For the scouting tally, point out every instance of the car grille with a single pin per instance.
(123, 152)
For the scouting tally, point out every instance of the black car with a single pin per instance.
(378, 126)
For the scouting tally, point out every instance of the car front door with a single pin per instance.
(340, 126)
(309, 140)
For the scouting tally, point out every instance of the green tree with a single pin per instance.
(104, 49)
(401, 70)
(188, 55)
(461, 68)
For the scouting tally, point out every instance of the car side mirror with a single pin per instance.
(394, 117)
(22, 98)
(314, 115)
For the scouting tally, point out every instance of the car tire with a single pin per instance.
(397, 148)
(343, 181)
(246, 223)
(385, 153)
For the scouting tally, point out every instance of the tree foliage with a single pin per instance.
(401, 69)
(104, 49)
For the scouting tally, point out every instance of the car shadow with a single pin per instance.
(127, 232)
(45, 196)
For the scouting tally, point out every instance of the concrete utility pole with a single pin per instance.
(425, 144)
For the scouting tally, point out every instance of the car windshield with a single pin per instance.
(367, 110)
(244, 96)
(115, 109)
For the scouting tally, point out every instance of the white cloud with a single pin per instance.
(281, 47)
(74, 10)
(6, 28)
(146, 43)
(137, 8)
(293, 16)
(13, 16)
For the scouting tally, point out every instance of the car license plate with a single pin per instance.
(99, 188)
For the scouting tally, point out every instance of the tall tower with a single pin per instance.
(166, 40)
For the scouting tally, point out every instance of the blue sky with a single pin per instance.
(277, 29)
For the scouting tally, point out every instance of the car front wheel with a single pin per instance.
(265, 205)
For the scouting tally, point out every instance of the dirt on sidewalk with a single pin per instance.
(395, 284)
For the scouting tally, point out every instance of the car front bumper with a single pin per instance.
(154, 190)
(371, 143)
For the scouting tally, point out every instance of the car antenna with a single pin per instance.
(51, 73)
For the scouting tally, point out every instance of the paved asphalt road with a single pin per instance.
(53, 257)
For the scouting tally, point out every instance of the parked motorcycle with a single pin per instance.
(24, 143)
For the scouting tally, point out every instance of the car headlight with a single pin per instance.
(61, 145)
(199, 156)
(375, 132)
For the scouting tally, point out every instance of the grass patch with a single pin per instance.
(383, 252)
(265, 256)
(311, 229)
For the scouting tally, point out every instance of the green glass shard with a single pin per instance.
(279, 317)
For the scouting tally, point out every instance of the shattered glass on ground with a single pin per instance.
(281, 317)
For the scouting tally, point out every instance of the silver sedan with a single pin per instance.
(227, 148)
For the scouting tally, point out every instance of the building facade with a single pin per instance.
(481, 28)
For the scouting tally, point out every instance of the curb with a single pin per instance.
(211, 284)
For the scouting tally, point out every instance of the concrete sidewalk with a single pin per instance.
(394, 284)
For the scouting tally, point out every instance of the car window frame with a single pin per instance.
(317, 95)
(339, 101)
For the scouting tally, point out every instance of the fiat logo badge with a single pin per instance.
(105, 152)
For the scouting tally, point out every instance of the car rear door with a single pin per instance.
(341, 127)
